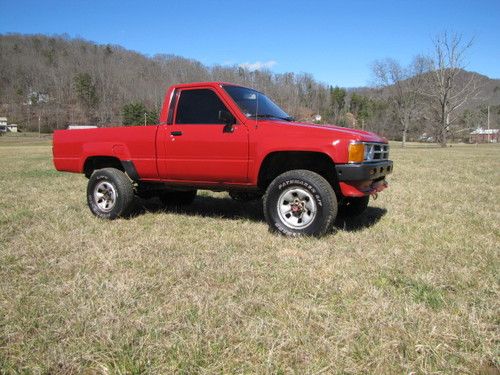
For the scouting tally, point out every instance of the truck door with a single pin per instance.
(198, 147)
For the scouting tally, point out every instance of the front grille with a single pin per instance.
(376, 151)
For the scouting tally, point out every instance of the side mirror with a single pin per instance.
(228, 120)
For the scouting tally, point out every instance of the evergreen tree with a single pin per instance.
(361, 107)
(337, 99)
(137, 113)
(86, 91)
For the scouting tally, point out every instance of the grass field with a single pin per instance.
(410, 287)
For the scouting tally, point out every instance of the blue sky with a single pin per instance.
(334, 41)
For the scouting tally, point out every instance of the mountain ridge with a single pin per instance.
(65, 80)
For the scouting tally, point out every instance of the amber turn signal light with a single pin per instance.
(356, 152)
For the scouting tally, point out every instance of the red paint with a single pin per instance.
(204, 155)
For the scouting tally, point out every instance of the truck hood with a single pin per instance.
(354, 134)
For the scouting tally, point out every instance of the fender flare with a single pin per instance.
(129, 168)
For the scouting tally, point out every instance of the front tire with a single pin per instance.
(300, 202)
(110, 193)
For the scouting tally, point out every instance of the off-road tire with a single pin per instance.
(313, 194)
(110, 193)
(354, 206)
(176, 198)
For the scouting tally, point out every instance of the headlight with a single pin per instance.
(356, 152)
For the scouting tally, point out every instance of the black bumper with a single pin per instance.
(363, 171)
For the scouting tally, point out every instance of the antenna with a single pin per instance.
(256, 108)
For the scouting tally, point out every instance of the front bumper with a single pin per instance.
(357, 180)
(363, 171)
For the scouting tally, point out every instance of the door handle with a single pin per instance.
(178, 132)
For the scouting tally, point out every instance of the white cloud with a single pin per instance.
(258, 65)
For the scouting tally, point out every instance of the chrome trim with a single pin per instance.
(376, 151)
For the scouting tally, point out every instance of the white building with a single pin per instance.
(12, 128)
(36, 97)
(4, 127)
(3, 124)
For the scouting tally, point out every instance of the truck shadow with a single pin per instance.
(369, 218)
(227, 208)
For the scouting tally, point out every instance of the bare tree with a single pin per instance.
(447, 87)
(110, 77)
(402, 85)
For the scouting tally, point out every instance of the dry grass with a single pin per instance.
(411, 287)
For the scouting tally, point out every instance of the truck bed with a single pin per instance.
(131, 143)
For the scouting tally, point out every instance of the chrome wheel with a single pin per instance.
(297, 208)
(105, 196)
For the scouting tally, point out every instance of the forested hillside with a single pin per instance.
(59, 81)
(76, 81)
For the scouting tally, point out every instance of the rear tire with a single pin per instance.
(173, 198)
(300, 202)
(352, 207)
(110, 193)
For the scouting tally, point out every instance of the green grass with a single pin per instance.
(410, 287)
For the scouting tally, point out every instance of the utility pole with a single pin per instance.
(145, 114)
(39, 127)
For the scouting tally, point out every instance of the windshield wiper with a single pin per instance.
(266, 115)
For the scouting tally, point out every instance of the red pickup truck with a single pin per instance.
(224, 137)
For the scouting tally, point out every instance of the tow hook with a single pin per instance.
(377, 187)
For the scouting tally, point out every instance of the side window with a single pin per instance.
(200, 106)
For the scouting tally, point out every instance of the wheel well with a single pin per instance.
(277, 163)
(97, 162)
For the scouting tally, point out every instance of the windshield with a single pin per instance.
(255, 104)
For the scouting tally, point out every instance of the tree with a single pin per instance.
(86, 93)
(446, 86)
(402, 85)
(137, 114)
(361, 107)
(337, 99)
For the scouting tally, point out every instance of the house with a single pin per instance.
(12, 128)
(6, 128)
(481, 135)
(3, 125)
(36, 97)
(426, 138)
